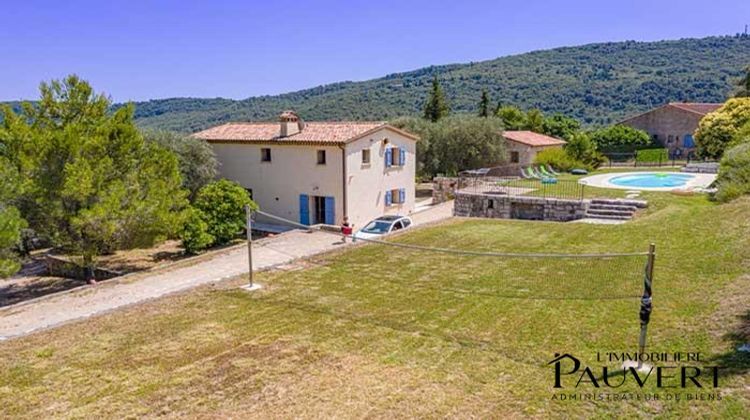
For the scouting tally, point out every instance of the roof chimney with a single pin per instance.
(291, 123)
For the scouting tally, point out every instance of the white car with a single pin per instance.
(383, 225)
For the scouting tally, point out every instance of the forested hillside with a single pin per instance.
(596, 83)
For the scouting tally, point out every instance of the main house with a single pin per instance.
(319, 172)
(672, 125)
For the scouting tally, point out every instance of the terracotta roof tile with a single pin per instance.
(531, 138)
(699, 108)
(313, 132)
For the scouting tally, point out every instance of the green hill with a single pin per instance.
(596, 83)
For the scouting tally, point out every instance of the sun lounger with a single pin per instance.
(552, 170)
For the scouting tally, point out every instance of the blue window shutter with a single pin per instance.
(402, 157)
(388, 157)
(304, 210)
(388, 198)
(330, 211)
(402, 195)
(689, 141)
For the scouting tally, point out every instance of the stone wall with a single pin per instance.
(444, 188)
(669, 125)
(518, 207)
(62, 267)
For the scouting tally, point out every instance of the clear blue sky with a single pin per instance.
(136, 50)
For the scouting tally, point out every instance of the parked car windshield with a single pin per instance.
(377, 227)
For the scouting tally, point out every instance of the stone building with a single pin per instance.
(672, 125)
(522, 146)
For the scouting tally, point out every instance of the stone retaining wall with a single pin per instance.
(62, 267)
(518, 207)
(444, 188)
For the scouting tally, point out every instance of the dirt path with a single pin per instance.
(54, 310)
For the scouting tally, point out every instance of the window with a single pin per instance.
(397, 226)
(669, 139)
(397, 196)
(366, 156)
(265, 155)
(514, 157)
(395, 156)
(321, 157)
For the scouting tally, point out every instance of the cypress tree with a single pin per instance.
(484, 104)
(436, 106)
(744, 85)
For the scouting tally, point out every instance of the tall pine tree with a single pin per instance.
(484, 104)
(436, 106)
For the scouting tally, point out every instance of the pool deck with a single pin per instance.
(699, 181)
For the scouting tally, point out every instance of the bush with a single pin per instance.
(719, 130)
(194, 235)
(581, 149)
(620, 138)
(734, 173)
(222, 207)
(558, 159)
(652, 155)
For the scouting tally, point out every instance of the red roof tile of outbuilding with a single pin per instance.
(531, 138)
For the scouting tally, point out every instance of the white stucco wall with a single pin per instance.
(293, 170)
(367, 184)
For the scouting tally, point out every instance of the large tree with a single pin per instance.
(197, 160)
(719, 130)
(92, 184)
(535, 121)
(436, 106)
(511, 117)
(457, 143)
(11, 222)
(561, 126)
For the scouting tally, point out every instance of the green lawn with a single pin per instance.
(376, 331)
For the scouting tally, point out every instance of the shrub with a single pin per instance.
(620, 138)
(734, 173)
(222, 207)
(194, 234)
(652, 155)
(580, 148)
(560, 160)
(718, 129)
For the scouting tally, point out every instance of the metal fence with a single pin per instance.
(514, 186)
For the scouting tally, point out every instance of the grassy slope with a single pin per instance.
(378, 332)
(597, 83)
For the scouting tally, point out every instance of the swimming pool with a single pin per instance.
(652, 180)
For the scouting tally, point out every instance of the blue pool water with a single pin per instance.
(651, 180)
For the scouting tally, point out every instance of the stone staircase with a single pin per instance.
(614, 209)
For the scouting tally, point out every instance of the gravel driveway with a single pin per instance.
(54, 310)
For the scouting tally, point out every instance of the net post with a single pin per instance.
(645, 312)
(249, 228)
